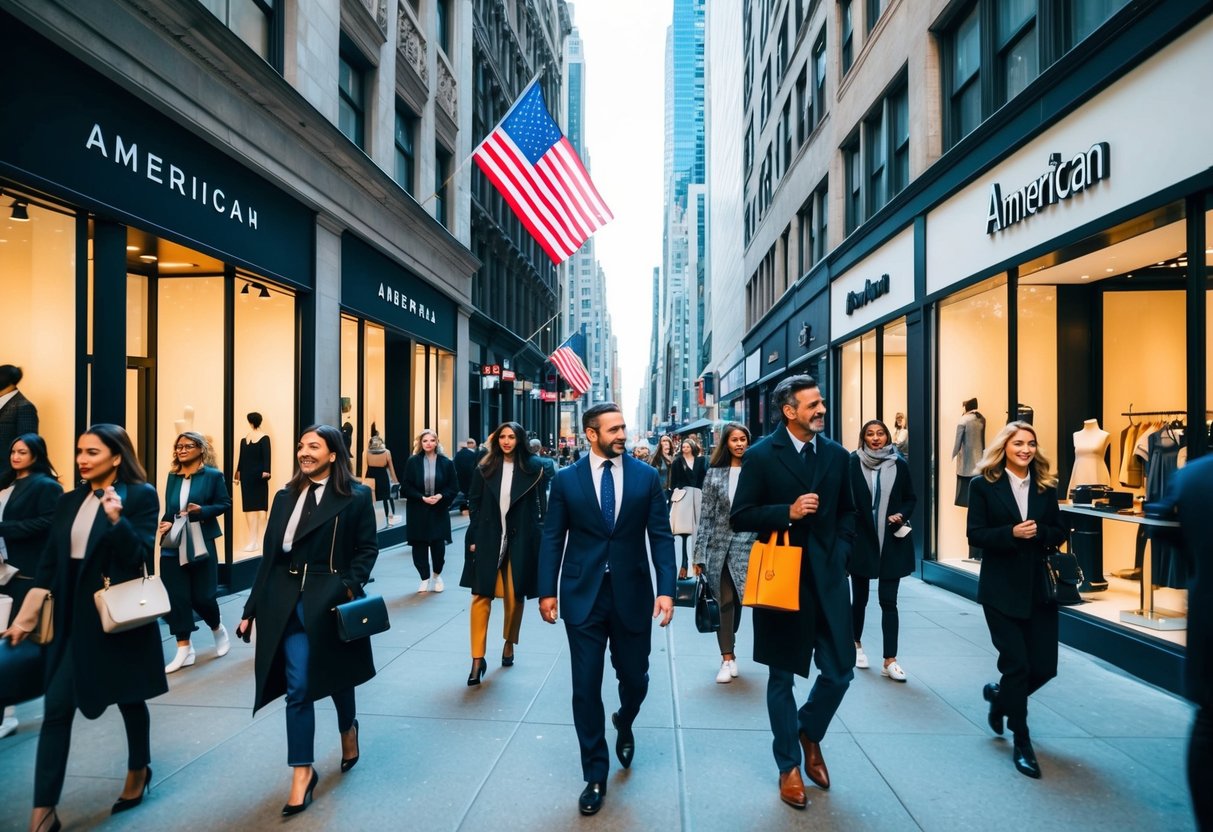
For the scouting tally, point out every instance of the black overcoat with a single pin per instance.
(426, 523)
(868, 558)
(340, 533)
(772, 477)
(109, 668)
(524, 527)
(27, 520)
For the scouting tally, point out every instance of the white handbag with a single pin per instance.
(684, 510)
(132, 603)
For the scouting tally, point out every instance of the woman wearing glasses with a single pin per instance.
(195, 496)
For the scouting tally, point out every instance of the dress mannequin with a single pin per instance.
(252, 475)
(1090, 445)
(186, 423)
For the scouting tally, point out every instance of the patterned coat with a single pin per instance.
(716, 543)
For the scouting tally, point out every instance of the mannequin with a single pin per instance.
(970, 443)
(187, 422)
(1090, 445)
(252, 475)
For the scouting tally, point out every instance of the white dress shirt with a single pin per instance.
(1019, 489)
(292, 525)
(7, 397)
(82, 526)
(798, 445)
(503, 503)
(734, 476)
(616, 473)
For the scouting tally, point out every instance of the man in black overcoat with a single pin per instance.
(465, 463)
(795, 480)
(17, 413)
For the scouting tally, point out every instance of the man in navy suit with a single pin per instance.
(600, 512)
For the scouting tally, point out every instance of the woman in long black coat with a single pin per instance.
(1014, 519)
(105, 529)
(884, 496)
(507, 503)
(429, 486)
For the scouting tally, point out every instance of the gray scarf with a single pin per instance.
(881, 473)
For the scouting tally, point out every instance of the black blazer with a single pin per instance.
(426, 523)
(27, 520)
(772, 477)
(868, 558)
(18, 416)
(682, 476)
(524, 525)
(1010, 566)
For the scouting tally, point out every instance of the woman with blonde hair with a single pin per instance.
(430, 486)
(1014, 519)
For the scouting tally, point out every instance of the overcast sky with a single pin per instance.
(624, 44)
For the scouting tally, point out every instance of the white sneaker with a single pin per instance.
(425, 586)
(861, 658)
(893, 671)
(733, 668)
(222, 643)
(724, 677)
(439, 586)
(184, 658)
(9, 724)
(391, 520)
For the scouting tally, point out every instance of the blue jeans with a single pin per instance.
(300, 708)
(812, 718)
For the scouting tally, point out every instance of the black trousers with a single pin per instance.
(422, 552)
(886, 593)
(55, 740)
(1027, 658)
(1200, 767)
(190, 588)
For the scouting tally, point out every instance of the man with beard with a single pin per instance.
(600, 512)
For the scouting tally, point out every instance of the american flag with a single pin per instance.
(532, 164)
(568, 363)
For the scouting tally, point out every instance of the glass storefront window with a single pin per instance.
(374, 385)
(858, 394)
(434, 394)
(349, 381)
(895, 381)
(1036, 373)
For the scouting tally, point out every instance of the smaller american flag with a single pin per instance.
(537, 171)
(568, 363)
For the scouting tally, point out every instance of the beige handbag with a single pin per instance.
(684, 510)
(132, 603)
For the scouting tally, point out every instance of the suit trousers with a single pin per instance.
(886, 593)
(300, 708)
(1027, 658)
(729, 610)
(482, 606)
(421, 557)
(588, 643)
(191, 588)
(1200, 766)
(813, 718)
(54, 741)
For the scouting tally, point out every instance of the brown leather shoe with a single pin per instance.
(814, 763)
(791, 789)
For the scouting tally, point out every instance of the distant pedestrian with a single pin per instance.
(884, 497)
(687, 473)
(429, 487)
(544, 461)
(1014, 520)
(380, 469)
(721, 553)
(465, 463)
(17, 413)
(641, 452)
(663, 461)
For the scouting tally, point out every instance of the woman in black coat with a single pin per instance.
(507, 503)
(319, 551)
(429, 486)
(880, 481)
(105, 529)
(1014, 519)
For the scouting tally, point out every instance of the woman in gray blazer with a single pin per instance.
(720, 552)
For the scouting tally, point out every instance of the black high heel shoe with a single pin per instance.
(346, 765)
(295, 808)
(124, 803)
(479, 666)
(54, 827)
(507, 660)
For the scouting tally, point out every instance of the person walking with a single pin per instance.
(253, 477)
(320, 548)
(195, 497)
(687, 473)
(508, 501)
(103, 531)
(29, 490)
(544, 461)
(796, 480)
(429, 487)
(884, 495)
(465, 463)
(663, 460)
(602, 510)
(722, 554)
(380, 469)
(1014, 520)
(17, 413)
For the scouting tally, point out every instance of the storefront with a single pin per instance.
(512, 381)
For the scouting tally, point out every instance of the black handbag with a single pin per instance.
(684, 591)
(1066, 576)
(707, 608)
(21, 672)
(361, 618)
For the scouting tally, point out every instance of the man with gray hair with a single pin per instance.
(545, 462)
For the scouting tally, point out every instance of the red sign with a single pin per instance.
(548, 396)
(507, 375)
(493, 370)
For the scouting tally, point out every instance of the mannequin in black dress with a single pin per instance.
(253, 477)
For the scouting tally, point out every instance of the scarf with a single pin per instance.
(880, 470)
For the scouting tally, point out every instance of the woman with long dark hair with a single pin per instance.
(723, 554)
(102, 531)
(1014, 519)
(430, 486)
(195, 496)
(663, 459)
(687, 473)
(320, 547)
(507, 503)
(880, 481)
(29, 490)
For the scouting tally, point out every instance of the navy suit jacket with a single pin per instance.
(577, 547)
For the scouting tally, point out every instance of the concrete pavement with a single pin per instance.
(438, 755)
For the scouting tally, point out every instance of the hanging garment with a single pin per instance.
(1169, 566)
(1130, 466)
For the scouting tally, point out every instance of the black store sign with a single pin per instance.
(374, 285)
(75, 134)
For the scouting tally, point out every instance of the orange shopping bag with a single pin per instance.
(773, 579)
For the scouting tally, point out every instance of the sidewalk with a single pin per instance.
(438, 755)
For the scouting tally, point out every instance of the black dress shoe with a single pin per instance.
(625, 744)
(995, 717)
(124, 803)
(346, 765)
(1025, 758)
(591, 798)
(479, 666)
(295, 808)
(507, 660)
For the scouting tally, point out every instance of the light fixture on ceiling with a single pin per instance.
(261, 293)
(132, 248)
(148, 258)
(165, 264)
(1109, 271)
(244, 291)
(1086, 277)
(19, 211)
(265, 293)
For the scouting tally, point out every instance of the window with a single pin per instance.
(1085, 16)
(819, 78)
(1018, 58)
(351, 112)
(854, 184)
(874, 139)
(253, 21)
(821, 207)
(748, 149)
(799, 14)
(885, 153)
(804, 107)
(765, 103)
(442, 164)
(874, 11)
(442, 32)
(783, 44)
(406, 157)
(848, 37)
(787, 133)
(899, 141)
(966, 66)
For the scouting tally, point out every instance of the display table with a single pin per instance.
(1147, 615)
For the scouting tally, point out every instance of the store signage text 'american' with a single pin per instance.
(1061, 181)
(872, 289)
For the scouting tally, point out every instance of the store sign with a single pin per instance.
(490, 369)
(508, 375)
(872, 289)
(1061, 181)
(548, 396)
(374, 285)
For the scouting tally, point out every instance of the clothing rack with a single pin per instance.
(1132, 412)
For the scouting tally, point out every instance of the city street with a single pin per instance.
(437, 755)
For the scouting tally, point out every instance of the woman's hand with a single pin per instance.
(699, 569)
(265, 475)
(236, 478)
(472, 548)
(164, 527)
(896, 519)
(111, 504)
(244, 630)
(1025, 530)
(26, 618)
(14, 634)
(193, 508)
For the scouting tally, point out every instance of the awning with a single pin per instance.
(698, 424)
